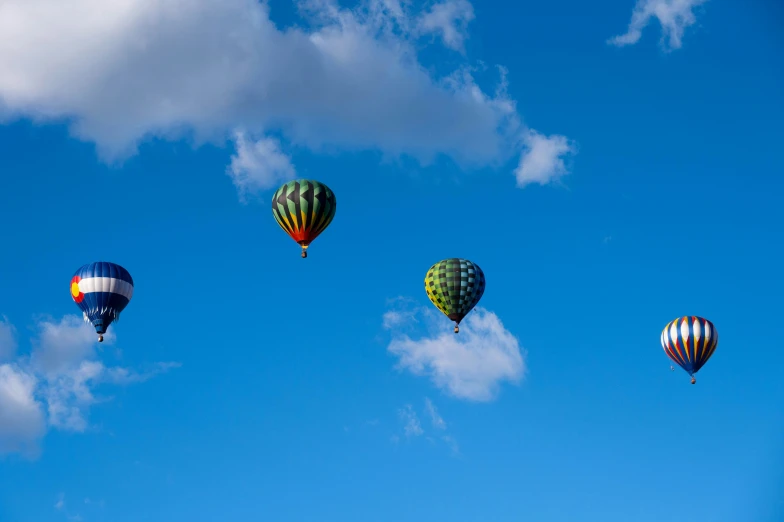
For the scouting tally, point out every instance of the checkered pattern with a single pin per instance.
(455, 286)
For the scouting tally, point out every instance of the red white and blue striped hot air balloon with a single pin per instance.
(101, 291)
(690, 341)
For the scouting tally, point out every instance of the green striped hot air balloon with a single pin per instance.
(304, 209)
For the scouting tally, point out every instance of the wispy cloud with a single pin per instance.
(8, 343)
(412, 427)
(120, 375)
(393, 318)
(435, 418)
(61, 506)
(452, 443)
(55, 385)
(674, 16)
(401, 311)
(91, 502)
(470, 365)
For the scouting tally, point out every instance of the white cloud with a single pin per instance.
(394, 318)
(54, 387)
(120, 375)
(452, 443)
(22, 422)
(449, 19)
(7, 340)
(674, 16)
(258, 165)
(470, 365)
(123, 71)
(401, 315)
(543, 160)
(435, 418)
(412, 427)
(69, 395)
(61, 346)
(60, 505)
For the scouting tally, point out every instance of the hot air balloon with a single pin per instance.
(455, 286)
(101, 291)
(304, 209)
(690, 341)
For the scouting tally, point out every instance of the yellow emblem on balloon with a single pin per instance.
(75, 289)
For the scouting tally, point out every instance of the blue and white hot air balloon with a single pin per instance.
(101, 291)
(690, 341)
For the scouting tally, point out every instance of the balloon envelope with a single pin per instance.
(455, 286)
(689, 341)
(101, 291)
(304, 209)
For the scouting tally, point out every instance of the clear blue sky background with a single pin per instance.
(286, 404)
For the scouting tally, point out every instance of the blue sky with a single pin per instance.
(609, 168)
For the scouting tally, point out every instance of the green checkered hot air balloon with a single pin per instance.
(455, 286)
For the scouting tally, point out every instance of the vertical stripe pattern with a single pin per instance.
(689, 341)
(304, 209)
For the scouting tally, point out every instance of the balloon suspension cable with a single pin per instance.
(100, 338)
(693, 380)
(457, 328)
